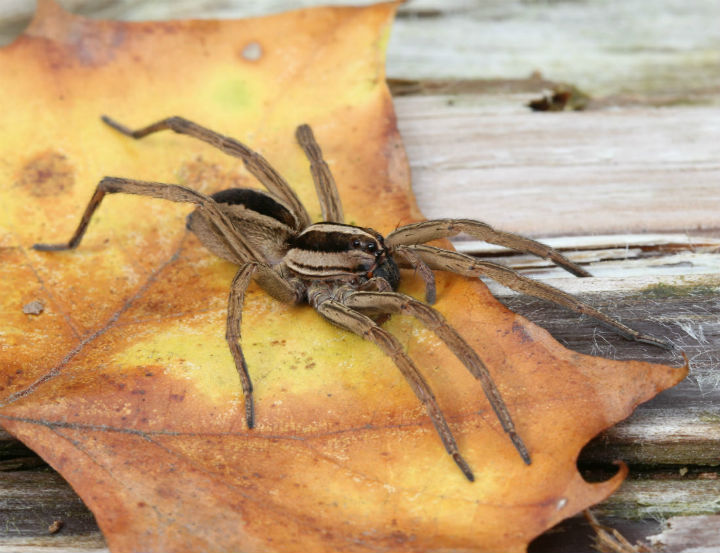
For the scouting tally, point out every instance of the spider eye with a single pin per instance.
(371, 247)
(356, 243)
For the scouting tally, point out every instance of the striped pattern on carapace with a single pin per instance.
(326, 250)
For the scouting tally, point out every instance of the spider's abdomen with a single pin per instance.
(333, 250)
(265, 221)
(258, 201)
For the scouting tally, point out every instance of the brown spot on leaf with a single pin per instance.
(46, 174)
(520, 333)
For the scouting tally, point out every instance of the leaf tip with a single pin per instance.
(49, 16)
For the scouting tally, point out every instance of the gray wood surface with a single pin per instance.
(627, 187)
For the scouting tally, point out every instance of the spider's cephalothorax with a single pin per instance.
(330, 251)
(348, 274)
(327, 251)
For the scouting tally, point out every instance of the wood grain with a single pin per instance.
(627, 170)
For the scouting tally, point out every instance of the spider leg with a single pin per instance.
(172, 192)
(232, 334)
(357, 323)
(322, 177)
(425, 272)
(242, 249)
(376, 284)
(425, 231)
(393, 302)
(256, 164)
(446, 260)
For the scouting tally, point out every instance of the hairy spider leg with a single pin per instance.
(232, 335)
(394, 302)
(172, 192)
(445, 260)
(425, 231)
(256, 164)
(421, 268)
(325, 186)
(320, 298)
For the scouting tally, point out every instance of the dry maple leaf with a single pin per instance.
(124, 382)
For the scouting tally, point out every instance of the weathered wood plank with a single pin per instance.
(31, 501)
(623, 171)
(56, 544)
(653, 497)
(689, 534)
(575, 535)
(647, 255)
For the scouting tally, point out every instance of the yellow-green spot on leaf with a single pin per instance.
(188, 350)
(233, 94)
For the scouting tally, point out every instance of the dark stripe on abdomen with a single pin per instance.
(258, 201)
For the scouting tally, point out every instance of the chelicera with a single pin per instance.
(348, 274)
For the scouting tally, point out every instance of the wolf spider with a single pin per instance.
(348, 274)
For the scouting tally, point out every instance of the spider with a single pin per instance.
(348, 274)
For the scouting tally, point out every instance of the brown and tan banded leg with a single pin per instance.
(360, 324)
(171, 192)
(422, 269)
(393, 302)
(425, 231)
(325, 186)
(232, 335)
(256, 164)
(376, 284)
(445, 260)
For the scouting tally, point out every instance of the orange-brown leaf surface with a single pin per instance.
(124, 382)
